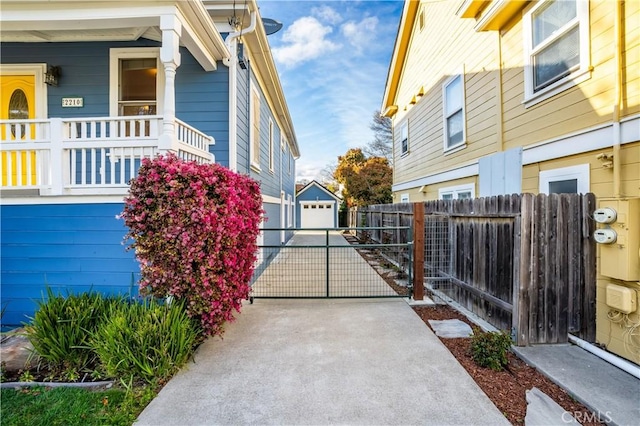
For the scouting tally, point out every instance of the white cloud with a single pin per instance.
(360, 34)
(327, 14)
(304, 40)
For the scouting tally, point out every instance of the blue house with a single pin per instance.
(88, 89)
(317, 206)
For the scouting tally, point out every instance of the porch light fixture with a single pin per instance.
(52, 75)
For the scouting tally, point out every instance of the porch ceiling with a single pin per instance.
(65, 21)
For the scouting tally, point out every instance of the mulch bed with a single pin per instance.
(507, 388)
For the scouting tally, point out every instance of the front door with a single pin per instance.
(18, 102)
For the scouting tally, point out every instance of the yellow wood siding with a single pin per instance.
(588, 104)
(442, 50)
(431, 192)
(631, 49)
(601, 179)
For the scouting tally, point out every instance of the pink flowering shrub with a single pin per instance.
(194, 230)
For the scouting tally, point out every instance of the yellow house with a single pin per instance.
(493, 97)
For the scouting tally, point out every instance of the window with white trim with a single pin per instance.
(556, 37)
(453, 105)
(565, 180)
(404, 198)
(271, 147)
(136, 85)
(459, 192)
(254, 129)
(404, 138)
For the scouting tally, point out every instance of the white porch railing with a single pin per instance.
(90, 156)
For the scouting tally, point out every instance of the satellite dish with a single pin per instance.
(271, 26)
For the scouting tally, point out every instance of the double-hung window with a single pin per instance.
(453, 100)
(254, 130)
(565, 180)
(556, 37)
(271, 147)
(404, 138)
(460, 192)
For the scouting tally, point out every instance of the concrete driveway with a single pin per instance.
(326, 362)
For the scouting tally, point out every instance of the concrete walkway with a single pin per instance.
(321, 362)
(609, 392)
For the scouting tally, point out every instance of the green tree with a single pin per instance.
(366, 180)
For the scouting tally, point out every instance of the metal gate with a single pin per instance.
(330, 263)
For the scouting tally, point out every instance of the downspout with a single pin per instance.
(617, 29)
(499, 113)
(232, 63)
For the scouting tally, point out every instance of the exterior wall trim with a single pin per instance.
(82, 199)
(591, 139)
(270, 200)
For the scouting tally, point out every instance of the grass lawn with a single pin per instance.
(72, 406)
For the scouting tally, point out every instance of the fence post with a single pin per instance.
(418, 251)
(524, 257)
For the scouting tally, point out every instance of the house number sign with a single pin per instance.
(72, 102)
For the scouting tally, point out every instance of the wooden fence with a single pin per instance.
(524, 263)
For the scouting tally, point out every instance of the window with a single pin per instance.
(404, 138)
(404, 198)
(556, 36)
(136, 82)
(271, 147)
(566, 180)
(137, 91)
(290, 162)
(460, 192)
(453, 99)
(254, 130)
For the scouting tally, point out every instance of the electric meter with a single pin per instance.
(605, 215)
(605, 236)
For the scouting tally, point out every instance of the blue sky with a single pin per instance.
(332, 57)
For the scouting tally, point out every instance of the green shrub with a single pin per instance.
(148, 340)
(490, 349)
(60, 329)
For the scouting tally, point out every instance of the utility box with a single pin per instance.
(620, 298)
(621, 259)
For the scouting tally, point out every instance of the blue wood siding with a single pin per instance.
(202, 101)
(315, 193)
(243, 124)
(70, 247)
(202, 98)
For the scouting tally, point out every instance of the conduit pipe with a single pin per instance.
(617, 172)
(232, 64)
(625, 366)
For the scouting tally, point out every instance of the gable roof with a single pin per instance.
(95, 20)
(405, 28)
(261, 57)
(322, 187)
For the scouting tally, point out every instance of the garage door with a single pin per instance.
(317, 215)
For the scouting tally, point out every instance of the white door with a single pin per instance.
(317, 215)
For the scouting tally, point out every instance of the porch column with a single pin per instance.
(170, 58)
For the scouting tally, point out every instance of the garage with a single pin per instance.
(317, 206)
(317, 214)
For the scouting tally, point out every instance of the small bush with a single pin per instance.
(60, 329)
(148, 340)
(490, 349)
